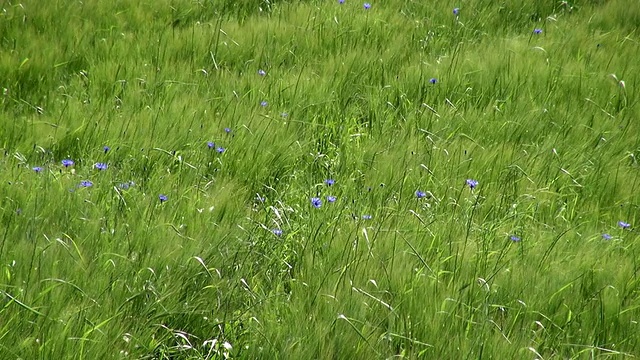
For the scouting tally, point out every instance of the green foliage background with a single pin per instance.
(548, 124)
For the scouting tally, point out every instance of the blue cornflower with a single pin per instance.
(472, 183)
(262, 72)
(227, 130)
(329, 182)
(106, 149)
(67, 162)
(341, 1)
(163, 198)
(367, 6)
(366, 217)
(420, 194)
(606, 236)
(316, 202)
(220, 149)
(331, 199)
(211, 144)
(86, 183)
(101, 166)
(126, 185)
(433, 80)
(456, 11)
(263, 103)
(537, 31)
(37, 169)
(624, 225)
(514, 238)
(277, 232)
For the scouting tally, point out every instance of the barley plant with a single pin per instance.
(262, 179)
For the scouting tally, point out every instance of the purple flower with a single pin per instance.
(331, 199)
(341, 1)
(106, 149)
(606, 236)
(514, 238)
(472, 183)
(37, 169)
(456, 11)
(260, 198)
(433, 80)
(316, 202)
(367, 6)
(220, 149)
(329, 182)
(211, 144)
(262, 72)
(537, 31)
(420, 194)
(163, 198)
(67, 162)
(101, 166)
(624, 225)
(277, 232)
(263, 103)
(227, 130)
(366, 217)
(86, 183)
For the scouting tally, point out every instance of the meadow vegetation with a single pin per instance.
(212, 179)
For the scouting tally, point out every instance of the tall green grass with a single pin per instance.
(387, 101)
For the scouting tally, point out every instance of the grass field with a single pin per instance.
(213, 179)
